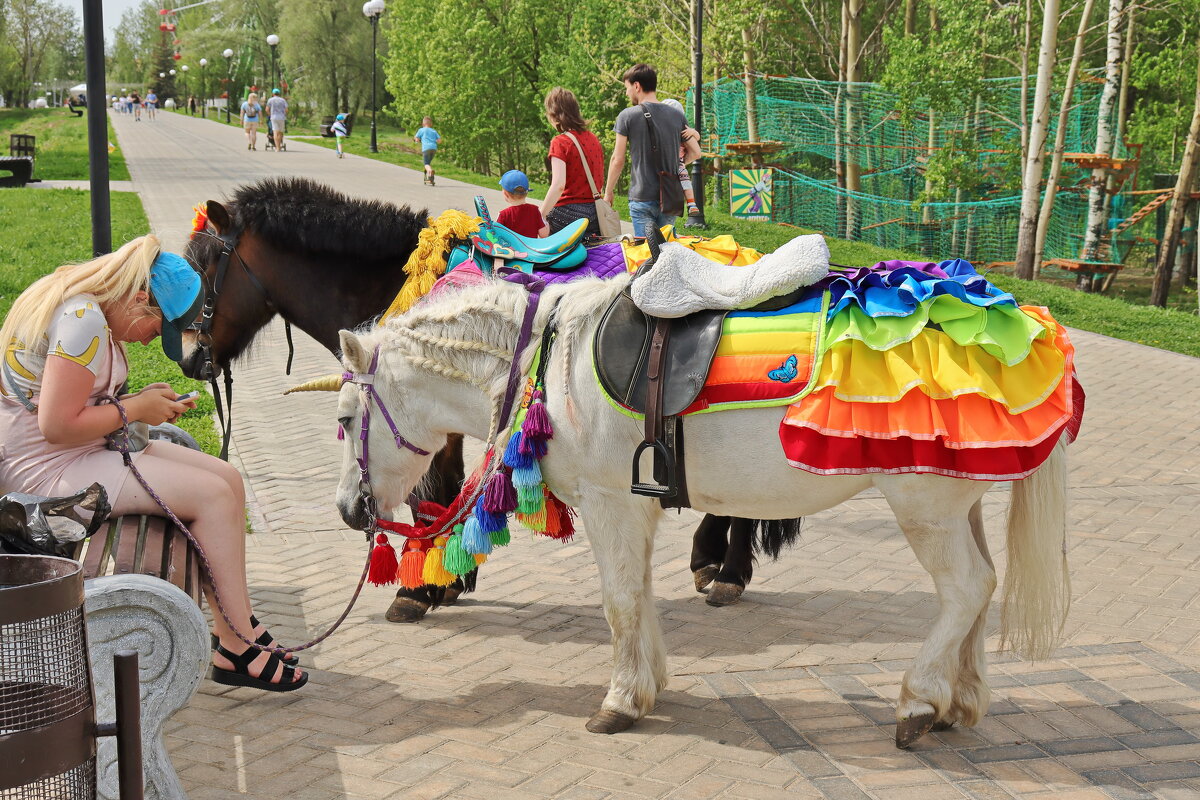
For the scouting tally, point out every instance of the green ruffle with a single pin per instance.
(1004, 332)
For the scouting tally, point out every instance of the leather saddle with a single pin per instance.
(494, 246)
(657, 367)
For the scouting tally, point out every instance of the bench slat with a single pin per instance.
(153, 547)
(96, 557)
(125, 553)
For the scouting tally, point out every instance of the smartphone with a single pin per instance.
(188, 396)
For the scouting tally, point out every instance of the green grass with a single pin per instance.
(54, 229)
(62, 153)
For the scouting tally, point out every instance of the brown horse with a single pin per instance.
(325, 262)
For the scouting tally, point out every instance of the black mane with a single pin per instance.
(300, 215)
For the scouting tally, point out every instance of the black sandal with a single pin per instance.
(291, 659)
(240, 674)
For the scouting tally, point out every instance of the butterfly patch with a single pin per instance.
(786, 372)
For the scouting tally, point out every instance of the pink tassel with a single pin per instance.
(537, 421)
(500, 496)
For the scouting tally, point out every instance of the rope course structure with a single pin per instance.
(971, 205)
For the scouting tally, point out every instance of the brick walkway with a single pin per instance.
(786, 694)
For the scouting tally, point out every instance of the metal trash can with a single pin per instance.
(48, 723)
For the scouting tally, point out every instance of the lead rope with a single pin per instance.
(124, 450)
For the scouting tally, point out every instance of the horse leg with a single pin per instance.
(945, 546)
(709, 546)
(739, 564)
(972, 696)
(621, 534)
(440, 485)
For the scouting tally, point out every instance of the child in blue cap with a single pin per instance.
(339, 130)
(521, 217)
(63, 343)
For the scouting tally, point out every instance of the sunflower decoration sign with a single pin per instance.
(750, 194)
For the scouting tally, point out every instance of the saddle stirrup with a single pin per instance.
(664, 458)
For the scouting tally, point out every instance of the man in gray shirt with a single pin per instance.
(648, 167)
(277, 110)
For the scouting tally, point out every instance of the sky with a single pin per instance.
(112, 9)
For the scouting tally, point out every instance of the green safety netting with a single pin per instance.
(975, 220)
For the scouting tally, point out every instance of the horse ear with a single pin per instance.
(218, 217)
(354, 355)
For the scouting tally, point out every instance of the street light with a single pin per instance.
(186, 99)
(273, 41)
(203, 86)
(228, 54)
(372, 10)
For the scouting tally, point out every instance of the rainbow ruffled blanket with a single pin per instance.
(904, 367)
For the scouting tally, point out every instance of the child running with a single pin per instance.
(521, 217)
(693, 210)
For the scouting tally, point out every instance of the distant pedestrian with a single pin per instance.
(191, 104)
(339, 131)
(652, 134)
(151, 104)
(429, 140)
(521, 217)
(277, 110)
(576, 165)
(135, 100)
(251, 111)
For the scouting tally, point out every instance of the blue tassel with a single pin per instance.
(527, 476)
(488, 520)
(474, 539)
(513, 456)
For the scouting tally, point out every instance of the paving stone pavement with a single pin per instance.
(789, 693)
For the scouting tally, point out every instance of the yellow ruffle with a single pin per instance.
(723, 249)
(941, 369)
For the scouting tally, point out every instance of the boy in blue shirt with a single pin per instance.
(429, 140)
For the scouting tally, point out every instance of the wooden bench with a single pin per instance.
(20, 167)
(142, 546)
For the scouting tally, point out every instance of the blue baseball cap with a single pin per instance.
(274, 91)
(176, 289)
(341, 117)
(514, 179)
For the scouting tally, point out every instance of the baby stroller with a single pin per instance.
(271, 138)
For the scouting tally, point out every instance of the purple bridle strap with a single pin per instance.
(367, 382)
(534, 286)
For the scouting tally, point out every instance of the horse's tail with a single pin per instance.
(770, 536)
(1037, 588)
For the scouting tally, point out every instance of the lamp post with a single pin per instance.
(372, 10)
(97, 127)
(171, 72)
(203, 88)
(186, 98)
(228, 54)
(697, 221)
(273, 41)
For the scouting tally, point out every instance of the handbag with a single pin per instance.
(671, 200)
(606, 216)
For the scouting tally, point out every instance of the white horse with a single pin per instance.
(444, 366)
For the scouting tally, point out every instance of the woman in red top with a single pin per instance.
(570, 196)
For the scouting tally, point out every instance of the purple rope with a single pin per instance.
(124, 450)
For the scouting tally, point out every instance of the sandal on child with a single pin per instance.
(240, 674)
(291, 659)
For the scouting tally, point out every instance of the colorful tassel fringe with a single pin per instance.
(383, 562)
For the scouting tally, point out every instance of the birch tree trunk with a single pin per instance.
(853, 52)
(1064, 109)
(1183, 187)
(1024, 105)
(751, 98)
(1031, 176)
(931, 137)
(1096, 230)
(839, 137)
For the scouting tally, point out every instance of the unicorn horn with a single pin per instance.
(326, 383)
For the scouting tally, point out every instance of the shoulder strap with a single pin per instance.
(587, 170)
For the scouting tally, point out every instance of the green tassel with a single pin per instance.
(457, 560)
(501, 537)
(530, 499)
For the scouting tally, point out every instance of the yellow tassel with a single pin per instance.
(535, 522)
(428, 262)
(480, 558)
(433, 571)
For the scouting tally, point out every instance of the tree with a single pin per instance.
(333, 78)
(1031, 175)
(1095, 232)
(1179, 201)
(33, 28)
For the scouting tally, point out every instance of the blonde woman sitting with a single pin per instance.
(64, 353)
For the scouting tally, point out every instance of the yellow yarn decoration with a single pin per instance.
(428, 262)
(433, 571)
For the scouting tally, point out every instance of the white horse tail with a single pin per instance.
(1037, 588)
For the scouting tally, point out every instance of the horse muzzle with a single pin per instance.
(354, 514)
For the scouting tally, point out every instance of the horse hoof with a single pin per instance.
(913, 728)
(604, 721)
(704, 576)
(451, 596)
(405, 609)
(722, 594)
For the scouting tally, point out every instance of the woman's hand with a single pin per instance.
(156, 404)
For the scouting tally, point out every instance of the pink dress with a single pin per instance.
(29, 463)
